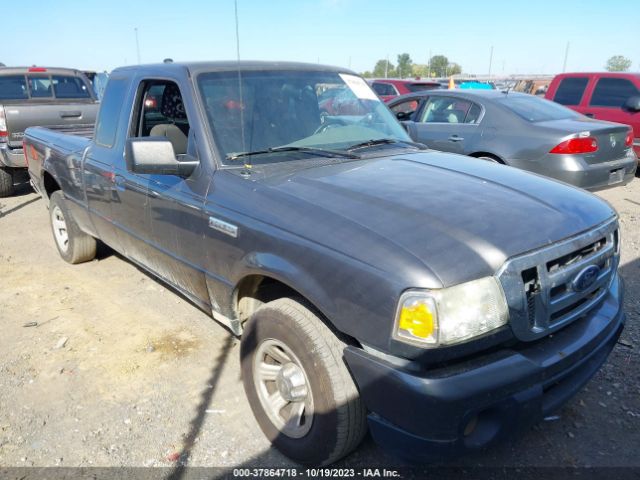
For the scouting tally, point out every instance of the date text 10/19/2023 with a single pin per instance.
(315, 473)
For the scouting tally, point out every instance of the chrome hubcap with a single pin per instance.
(59, 228)
(283, 388)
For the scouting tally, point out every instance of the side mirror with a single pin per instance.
(155, 156)
(404, 115)
(633, 104)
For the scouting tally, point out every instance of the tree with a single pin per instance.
(382, 68)
(454, 69)
(419, 70)
(439, 65)
(404, 65)
(618, 63)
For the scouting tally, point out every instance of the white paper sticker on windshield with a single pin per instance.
(359, 87)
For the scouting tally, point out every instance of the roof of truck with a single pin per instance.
(233, 65)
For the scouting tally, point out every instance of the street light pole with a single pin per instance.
(490, 61)
(566, 55)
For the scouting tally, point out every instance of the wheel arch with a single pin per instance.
(488, 154)
(49, 183)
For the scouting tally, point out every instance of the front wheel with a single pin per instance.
(298, 385)
(73, 244)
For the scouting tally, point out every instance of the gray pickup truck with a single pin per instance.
(30, 96)
(443, 303)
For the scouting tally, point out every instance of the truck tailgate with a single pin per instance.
(71, 116)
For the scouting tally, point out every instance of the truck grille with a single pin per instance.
(549, 288)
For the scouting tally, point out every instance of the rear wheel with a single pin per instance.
(73, 244)
(298, 385)
(6, 182)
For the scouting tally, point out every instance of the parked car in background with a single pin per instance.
(604, 95)
(522, 131)
(36, 96)
(388, 88)
(423, 293)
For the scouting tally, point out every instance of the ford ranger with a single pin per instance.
(440, 302)
(32, 96)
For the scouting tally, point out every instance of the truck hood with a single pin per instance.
(460, 218)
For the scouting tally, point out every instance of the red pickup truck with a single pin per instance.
(604, 95)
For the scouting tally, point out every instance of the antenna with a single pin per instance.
(137, 44)
(244, 146)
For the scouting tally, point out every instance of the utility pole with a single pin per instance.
(566, 55)
(429, 68)
(137, 45)
(386, 68)
(490, 61)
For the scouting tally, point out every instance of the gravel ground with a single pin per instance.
(121, 371)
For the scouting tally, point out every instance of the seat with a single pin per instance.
(172, 109)
(177, 138)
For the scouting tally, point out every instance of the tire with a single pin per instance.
(6, 182)
(313, 376)
(73, 244)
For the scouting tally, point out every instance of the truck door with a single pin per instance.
(99, 161)
(175, 205)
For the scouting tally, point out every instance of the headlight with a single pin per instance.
(432, 318)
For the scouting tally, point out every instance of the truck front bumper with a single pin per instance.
(430, 414)
(12, 157)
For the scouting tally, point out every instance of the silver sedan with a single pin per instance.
(522, 131)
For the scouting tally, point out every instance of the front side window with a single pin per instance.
(570, 90)
(13, 87)
(160, 112)
(384, 89)
(252, 111)
(612, 92)
(408, 107)
(445, 110)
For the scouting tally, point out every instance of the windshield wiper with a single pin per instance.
(383, 141)
(311, 150)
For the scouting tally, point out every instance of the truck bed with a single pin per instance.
(59, 150)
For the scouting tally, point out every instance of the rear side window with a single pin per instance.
(13, 87)
(384, 89)
(65, 86)
(535, 109)
(39, 86)
(612, 92)
(107, 123)
(570, 90)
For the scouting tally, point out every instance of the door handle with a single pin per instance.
(590, 115)
(68, 114)
(455, 138)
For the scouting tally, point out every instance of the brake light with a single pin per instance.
(628, 141)
(37, 69)
(576, 145)
(3, 126)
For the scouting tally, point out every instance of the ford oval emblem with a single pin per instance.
(585, 278)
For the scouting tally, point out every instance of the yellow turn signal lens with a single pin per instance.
(418, 320)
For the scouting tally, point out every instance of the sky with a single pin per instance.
(528, 37)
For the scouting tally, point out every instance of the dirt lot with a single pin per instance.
(120, 371)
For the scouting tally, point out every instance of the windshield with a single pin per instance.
(254, 111)
(536, 109)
